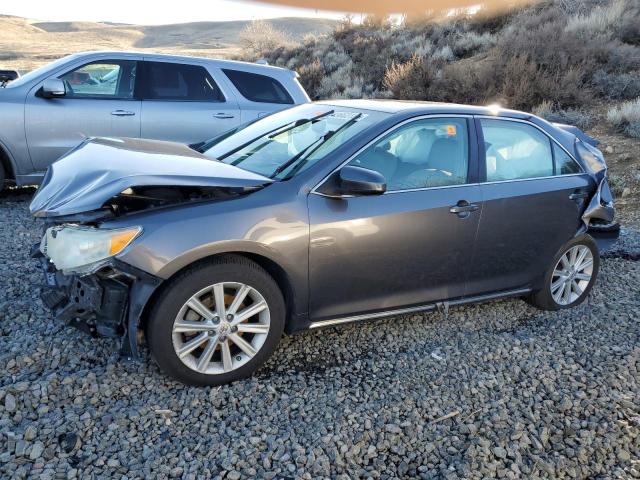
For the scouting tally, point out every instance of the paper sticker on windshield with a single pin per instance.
(451, 130)
(347, 115)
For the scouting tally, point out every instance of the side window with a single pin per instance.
(515, 151)
(564, 163)
(424, 153)
(180, 82)
(104, 79)
(258, 88)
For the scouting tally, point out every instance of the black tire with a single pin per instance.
(229, 268)
(543, 299)
(2, 177)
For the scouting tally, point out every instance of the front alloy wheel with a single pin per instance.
(216, 322)
(221, 328)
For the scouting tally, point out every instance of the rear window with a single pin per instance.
(180, 82)
(258, 88)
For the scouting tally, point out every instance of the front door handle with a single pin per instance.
(122, 113)
(463, 208)
(222, 115)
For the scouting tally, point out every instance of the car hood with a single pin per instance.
(100, 168)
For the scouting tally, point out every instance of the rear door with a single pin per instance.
(413, 244)
(533, 194)
(184, 103)
(100, 100)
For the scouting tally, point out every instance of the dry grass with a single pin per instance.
(26, 44)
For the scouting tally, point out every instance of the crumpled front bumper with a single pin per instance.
(106, 303)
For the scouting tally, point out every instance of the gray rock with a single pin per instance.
(30, 432)
(10, 403)
(36, 450)
(538, 394)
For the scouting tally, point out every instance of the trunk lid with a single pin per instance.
(101, 168)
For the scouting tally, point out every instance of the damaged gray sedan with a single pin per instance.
(323, 214)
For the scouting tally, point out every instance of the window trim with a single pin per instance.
(114, 61)
(472, 166)
(142, 87)
(482, 152)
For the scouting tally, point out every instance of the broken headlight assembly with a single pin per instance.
(77, 249)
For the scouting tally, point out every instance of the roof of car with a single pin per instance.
(398, 106)
(182, 58)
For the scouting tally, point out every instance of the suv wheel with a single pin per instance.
(216, 322)
(570, 277)
(2, 177)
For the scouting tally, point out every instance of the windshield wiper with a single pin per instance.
(317, 145)
(277, 131)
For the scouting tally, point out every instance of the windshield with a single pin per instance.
(27, 77)
(287, 143)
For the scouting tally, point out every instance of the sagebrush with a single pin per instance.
(571, 54)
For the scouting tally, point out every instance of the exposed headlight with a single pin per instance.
(74, 249)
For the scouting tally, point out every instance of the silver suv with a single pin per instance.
(52, 109)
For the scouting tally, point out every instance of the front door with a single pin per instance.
(183, 103)
(532, 200)
(99, 102)
(409, 246)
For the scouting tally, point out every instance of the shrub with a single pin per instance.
(622, 86)
(629, 28)
(311, 76)
(332, 60)
(617, 184)
(471, 43)
(260, 37)
(626, 118)
(601, 21)
(334, 84)
(519, 58)
(580, 118)
(410, 80)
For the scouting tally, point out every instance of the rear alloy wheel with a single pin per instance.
(216, 322)
(574, 272)
(572, 275)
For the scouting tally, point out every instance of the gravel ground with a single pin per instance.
(498, 390)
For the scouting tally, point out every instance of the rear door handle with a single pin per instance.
(222, 115)
(464, 208)
(578, 195)
(123, 113)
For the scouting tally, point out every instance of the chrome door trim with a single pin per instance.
(533, 178)
(384, 134)
(421, 308)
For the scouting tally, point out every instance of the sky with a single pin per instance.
(151, 12)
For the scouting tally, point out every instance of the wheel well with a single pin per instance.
(6, 164)
(271, 267)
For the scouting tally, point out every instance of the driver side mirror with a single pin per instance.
(354, 181)
(53, 88)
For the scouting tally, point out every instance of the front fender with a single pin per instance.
(256, 225)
